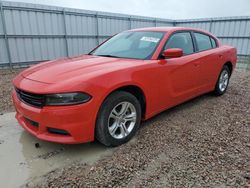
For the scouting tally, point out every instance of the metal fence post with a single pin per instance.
(97, 28)
(65, 33)
(5, 35)
(210, 25)
(155, 22)
(248, 65)
(130, 22)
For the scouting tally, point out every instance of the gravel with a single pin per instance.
(6, 75)
(202, 143)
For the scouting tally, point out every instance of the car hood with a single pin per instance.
(85, 66)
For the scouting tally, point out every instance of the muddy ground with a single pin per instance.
(202, 143)
(24, 158)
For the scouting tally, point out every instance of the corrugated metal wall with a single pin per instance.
(32, 33)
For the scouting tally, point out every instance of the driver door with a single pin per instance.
(180, 75)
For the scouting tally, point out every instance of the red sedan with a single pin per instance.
(131, 77)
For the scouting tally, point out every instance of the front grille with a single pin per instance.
(32, 99)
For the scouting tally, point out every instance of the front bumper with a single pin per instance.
(77, 120)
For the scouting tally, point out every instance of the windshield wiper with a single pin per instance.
(109, 56)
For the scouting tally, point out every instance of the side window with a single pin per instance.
(181, 40)
(203, 41)
(214, 45)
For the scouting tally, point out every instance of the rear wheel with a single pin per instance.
(118, 119)
(223, 81)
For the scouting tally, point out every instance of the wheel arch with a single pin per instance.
(135, 90)
(230, 66)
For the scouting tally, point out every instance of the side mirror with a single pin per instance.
(172, 53)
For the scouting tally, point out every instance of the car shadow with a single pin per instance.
(178, 108)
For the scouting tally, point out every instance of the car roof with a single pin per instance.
(168, 29)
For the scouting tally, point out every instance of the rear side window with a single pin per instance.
(181, 40)
(203, 41)
(214, 45)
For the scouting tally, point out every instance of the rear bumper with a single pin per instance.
(78, 121)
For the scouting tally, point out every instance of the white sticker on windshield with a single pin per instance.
(150, 39)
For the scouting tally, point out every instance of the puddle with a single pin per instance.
(21, 161)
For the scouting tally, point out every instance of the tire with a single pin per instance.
(223, 81)
(118, 119)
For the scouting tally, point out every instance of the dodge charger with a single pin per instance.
(129, 78)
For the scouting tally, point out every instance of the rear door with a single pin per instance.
(209, 59)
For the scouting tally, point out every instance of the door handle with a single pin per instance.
(197, 64)
(220, 56)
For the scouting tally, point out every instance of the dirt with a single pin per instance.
(51, 154)
(202, 143)
(6, 75)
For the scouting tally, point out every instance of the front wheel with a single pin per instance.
(118, 119)
(223, 81)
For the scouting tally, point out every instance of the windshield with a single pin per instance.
(134, 45)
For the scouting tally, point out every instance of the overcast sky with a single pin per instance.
(169, 9)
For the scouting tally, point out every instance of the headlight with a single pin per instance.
(66, 99)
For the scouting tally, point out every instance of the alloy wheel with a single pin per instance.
(122, 120)
(223, 81)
